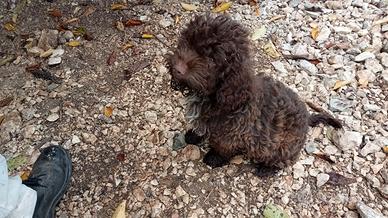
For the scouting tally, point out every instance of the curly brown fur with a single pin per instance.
(237, 112)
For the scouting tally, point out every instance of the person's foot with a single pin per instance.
(49, 177)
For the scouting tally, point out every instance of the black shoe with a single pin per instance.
(49, 177)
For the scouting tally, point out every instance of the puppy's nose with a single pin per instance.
(181, 68)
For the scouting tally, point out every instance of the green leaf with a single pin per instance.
(272, 211)
(16, 162)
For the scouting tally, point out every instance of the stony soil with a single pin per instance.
(129, 155)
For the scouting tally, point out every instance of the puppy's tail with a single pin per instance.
(322, 117)
(326, 119)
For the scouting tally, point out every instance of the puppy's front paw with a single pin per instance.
(214, 160)
(266, 171)
(192, 138)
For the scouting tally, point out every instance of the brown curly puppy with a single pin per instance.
(238, 112)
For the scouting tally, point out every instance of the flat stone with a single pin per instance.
(54, 61)
(322, 178)
(373, 65)
(367, 75)
(311, 148)
(334, 5)
(298, 170)
(309, 67)
(191, 152)
(338, 105)
(300, 50)
(324, 34)
(331, 150)
(180, 192)
(151, 116)
(341, 29)
(364, 56)
(139, 194)
(279, 66)
(346, 140)
(48, 39)
(370, 148)
(371, 107)
(75, 140)
(367, 212)
(58, 52)
(52, 117)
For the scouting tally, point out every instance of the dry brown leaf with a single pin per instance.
(108, 111)
(189, 7)
(73, 43)
(133, 22)
(55, 12)
(147, 36)
(127, 46)
(324, 157)
(1, 118)
(257, 11)
(119, 6)
(47, 53)
(339, 84)
(277, 17)
(339, 180)
(111, 58)
(222, 7)
(177, 19)
(6, 101)
(270, 49)
(120, 210)
(10, 26)
(89, 10)
(120, 26)
(24, 175)
(72, 20)
(314, 32)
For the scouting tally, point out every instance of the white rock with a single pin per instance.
(324, 34)
(373, 65)
(341, 29)
(54, 60)
(330, 150)
(364, 56)
(165, 23)
(75, 140)
(384, 76)
(346, 140)
(58, 52)
(179, 192)
(300, 50)
(52, 117)
(322, 178)
(279, 66)
(371, 107)
(68, 35)
(366, 75)
(384, 58)
(151, 116)
(298, 170)
(309, 67)
(370, 148)
(367, 212)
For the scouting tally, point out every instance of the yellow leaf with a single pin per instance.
(147, 36)
(188, 7)
(118, 6)
(120, 210)
(222, 7)
(73, 43)
(363, 82)
(270, 49)
(120, 26)
(277, 17)
(339, 84)
(314, 32)
(108, 111)
(24, 175)
(10, 26)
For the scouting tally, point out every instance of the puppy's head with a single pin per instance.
(209, 50)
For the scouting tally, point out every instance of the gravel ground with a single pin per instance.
(333, 53)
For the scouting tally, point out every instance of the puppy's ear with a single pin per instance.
(234, 92)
